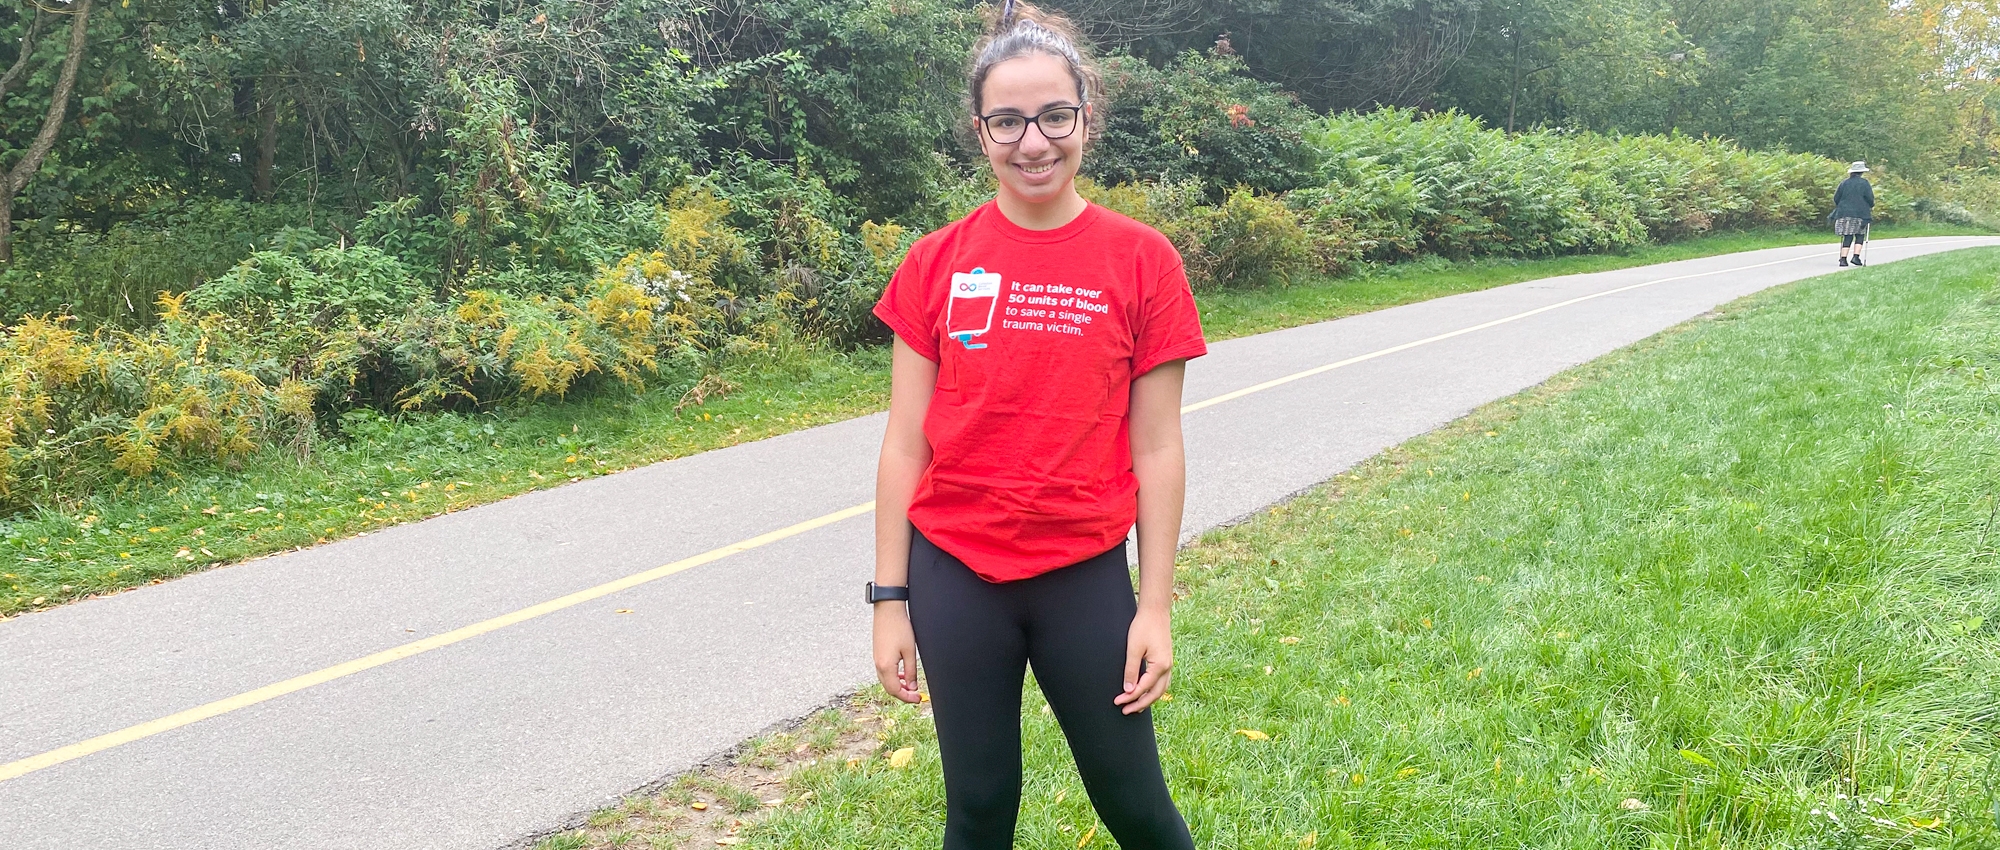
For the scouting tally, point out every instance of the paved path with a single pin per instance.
(492, 729)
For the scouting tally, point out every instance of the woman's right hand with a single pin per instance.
(896, 652)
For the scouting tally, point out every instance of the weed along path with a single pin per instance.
(471, 679)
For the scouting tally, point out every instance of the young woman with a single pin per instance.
(1853, 210)
(1034, 418)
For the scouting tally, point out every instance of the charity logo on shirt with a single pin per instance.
(969, 312)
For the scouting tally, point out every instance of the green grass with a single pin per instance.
(1736, 587)
(389, 472)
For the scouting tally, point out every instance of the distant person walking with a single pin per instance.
(1853, 211)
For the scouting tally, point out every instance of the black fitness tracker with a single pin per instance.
(877, 593)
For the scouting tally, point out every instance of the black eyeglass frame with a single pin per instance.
(1076, 117)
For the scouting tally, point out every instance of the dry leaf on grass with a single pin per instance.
(1253, 734)
(901, 758)
(710, 386)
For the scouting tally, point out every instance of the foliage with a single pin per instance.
(1247, 240)
(1391, 185)
(837, 304)
(1961, 196)
(1201, 118)
(80, 410)
(458, 205)
(859, 94)
(324, 285)
(1900, 83)
(112, 277)
(280, 347)
(1337, 54)
(1446, 185)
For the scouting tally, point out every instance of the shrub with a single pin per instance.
(1962, 196)
(356, 283)
(860, 94)
(111, 277)
(1444, 184)
(1249, 239)
(1201, 118)
(835, 305)
(78, 410)
(1470, 190)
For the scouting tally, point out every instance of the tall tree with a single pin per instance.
(1335, 54)
(24, 170)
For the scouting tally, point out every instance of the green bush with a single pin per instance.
(835, 304)
(1201, 118)
(278, 349)
(112, 276)
(1444, 184)
(1447, 185)
(860, 94)
(357, 283)
(1247, 240)
(1250, 239)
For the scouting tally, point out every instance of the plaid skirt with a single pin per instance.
(1849, 227)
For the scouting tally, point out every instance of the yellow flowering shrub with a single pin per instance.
(74, 408)
(215, 384)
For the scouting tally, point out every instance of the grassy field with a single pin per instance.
(393, 471)
(1736, 587)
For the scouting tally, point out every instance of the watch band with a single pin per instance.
(884, 593)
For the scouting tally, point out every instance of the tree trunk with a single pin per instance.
(267, 137)
(27, 52)
(6, 228)
(15, 180)
(1514, 77)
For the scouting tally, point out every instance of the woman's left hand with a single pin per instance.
(1150, 640)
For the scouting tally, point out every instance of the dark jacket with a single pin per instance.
(1854, 199)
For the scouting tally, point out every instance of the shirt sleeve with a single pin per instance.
(1170, 325)
(902, 308)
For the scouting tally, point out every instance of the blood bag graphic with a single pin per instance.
(969, 311)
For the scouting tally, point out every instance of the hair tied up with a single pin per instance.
(1021, 29)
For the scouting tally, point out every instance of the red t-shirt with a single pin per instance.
(1037, 335)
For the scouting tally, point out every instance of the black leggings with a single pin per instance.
(974, 639)
(1854, 239)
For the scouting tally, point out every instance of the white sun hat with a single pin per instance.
(1857, 167)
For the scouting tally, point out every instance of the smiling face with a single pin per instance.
(1036, 174)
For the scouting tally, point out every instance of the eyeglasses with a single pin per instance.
(1006, 128)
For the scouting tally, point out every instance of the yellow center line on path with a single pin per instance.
(320, 677)
(199, 713)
